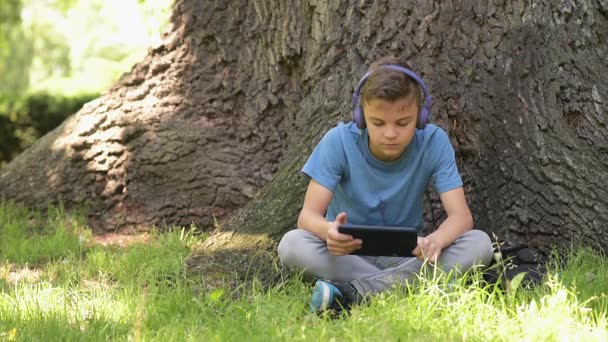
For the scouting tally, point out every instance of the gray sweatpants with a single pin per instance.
(303, 250)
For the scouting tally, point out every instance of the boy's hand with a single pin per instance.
(341, 244)
(428, 248)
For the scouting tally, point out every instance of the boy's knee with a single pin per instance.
(482, 245)
(472, 249)
(288, 245)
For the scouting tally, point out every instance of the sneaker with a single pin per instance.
(333, 296)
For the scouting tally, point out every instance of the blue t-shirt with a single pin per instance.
(374, 192)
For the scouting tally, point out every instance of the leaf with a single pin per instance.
(514, 284)
(12, 334)
(215, 295)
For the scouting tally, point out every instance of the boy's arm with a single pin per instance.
(459, 221)
(312, 215)
(312, 219)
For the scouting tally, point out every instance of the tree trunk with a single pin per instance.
(239, 93)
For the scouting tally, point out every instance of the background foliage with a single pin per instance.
(56, 55)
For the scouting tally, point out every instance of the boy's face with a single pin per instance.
(391, 126)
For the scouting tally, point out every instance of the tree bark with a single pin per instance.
(224, 112)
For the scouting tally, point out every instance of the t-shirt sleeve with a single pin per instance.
(325, 164)
(445, 175)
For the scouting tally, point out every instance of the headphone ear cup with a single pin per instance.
(422, 118)
(358, 117)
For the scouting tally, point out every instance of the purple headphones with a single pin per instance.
(425, 109)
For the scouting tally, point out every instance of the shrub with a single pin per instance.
(23, 122)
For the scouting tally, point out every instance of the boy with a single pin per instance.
(374, 171)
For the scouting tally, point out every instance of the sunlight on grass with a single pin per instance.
(143, 292)
(75, 306)
(559, 314)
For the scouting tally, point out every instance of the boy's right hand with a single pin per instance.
(341, 244)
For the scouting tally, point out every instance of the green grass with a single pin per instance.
(72, 290)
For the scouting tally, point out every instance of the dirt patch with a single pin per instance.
(14, 274)
(120, 240)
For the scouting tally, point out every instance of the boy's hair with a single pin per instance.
(388, 84)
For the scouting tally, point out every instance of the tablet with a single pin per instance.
(382, 241)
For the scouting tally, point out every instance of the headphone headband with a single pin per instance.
(425, 109)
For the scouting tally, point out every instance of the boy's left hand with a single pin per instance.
(428, 248)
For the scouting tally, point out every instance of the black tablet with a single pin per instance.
(383, 241)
